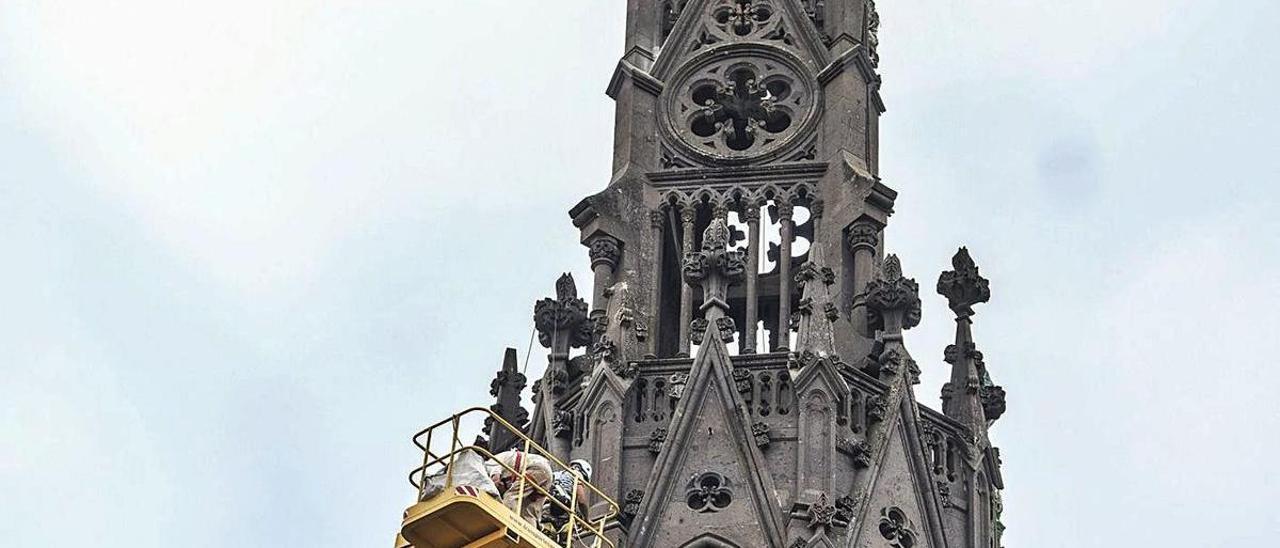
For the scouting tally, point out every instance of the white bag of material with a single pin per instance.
(468, 471)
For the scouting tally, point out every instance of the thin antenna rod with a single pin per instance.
(527, 352)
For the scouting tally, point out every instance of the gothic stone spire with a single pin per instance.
(970, 394)
(562, 324)
(506, 388)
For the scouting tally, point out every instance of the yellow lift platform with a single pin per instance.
(463, 516)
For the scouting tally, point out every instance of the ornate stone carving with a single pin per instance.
(864, 234)
(877, 408)
(820, 514)
(857, 450)
(676, 384)
(754, 103)
(896, 528)
(504, 378)
(709, 492)
(944, 494)
(804, 307)
(605, 250)
(564, 316)
(873, 34)
(657, 439)
(630, 506)
(963, 286)
(625, 371)
(952, 354)
(742, 380)
(742, 17)
(893, 297)
(562, 424)
(715, 267)
(698, 330)
(993, 402)
(845, 507)
(912, 371)
(761, 433)
(556, 380)
(727, 329)
(831, 311)
(604, 350)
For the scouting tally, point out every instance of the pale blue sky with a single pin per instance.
(247, 248)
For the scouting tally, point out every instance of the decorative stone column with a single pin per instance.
(605, 252)
(752, 215)
(786, 231)
(862, 237)
(687, 217)
(562, 324)
(658, 222)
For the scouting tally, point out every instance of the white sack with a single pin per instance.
(468, 471)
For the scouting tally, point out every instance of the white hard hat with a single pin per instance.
(582, 465)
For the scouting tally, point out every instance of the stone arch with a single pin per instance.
(817, 421)
(605, 438)
(801, 194)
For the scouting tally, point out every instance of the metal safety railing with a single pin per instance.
(580, 531)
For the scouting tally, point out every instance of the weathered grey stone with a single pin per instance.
(732, 117)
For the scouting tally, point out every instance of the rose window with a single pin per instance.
(743, 107)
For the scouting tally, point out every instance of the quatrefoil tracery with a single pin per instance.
(741, 103)
(740, 108)
(742, 17)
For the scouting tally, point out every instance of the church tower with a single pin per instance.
(741, 378)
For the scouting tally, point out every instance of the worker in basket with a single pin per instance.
(524, 497)
(564, 485)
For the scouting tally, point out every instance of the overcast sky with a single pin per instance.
(247, 248)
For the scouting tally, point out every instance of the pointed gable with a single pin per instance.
(705, 25)
(709, 465)
(901, 499)
(601, 413)
(819, 392)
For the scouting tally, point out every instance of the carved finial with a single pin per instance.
(891, 269)
(563, 319)
(893, 298)
(716, 237)
(963, 286)
(506, 387)
(714, 267)
(565, 287)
